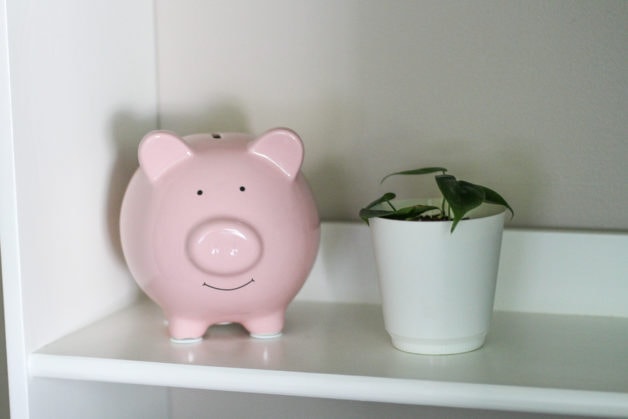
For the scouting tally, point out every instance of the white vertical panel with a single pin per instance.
(83, 91)
(16, 356)
(78, 84)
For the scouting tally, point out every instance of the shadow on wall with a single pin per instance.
(4, 380)
(332, 190)
(128, 129)
(225, 116)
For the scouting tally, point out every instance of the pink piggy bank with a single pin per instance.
(220, 228)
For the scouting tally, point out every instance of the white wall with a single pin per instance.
(528, 97)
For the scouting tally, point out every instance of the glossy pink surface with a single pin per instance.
(221, 229)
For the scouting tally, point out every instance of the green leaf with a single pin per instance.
(367, 212)
(423, 171)
(388, 196)
(461, 196)
(410, 213)
(492, 197)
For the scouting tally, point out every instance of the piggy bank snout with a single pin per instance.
(224, 247)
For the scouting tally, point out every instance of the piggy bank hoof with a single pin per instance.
(266, 335)
(186, 341)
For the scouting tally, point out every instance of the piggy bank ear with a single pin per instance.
(159, 151)
(283, 148)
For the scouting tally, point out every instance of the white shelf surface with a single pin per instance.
(549, 363)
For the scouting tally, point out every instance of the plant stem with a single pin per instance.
(391, 206)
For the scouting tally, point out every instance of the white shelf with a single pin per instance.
(531, 362)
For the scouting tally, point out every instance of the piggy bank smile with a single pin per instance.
(205, 284)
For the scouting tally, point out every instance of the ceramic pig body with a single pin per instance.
(220, 228)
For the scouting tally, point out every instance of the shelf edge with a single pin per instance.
(333, 386)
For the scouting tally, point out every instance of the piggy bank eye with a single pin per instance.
(199, 192)
(242, 189)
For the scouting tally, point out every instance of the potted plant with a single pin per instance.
(437, 262)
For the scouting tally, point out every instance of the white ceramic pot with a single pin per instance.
(438, 287)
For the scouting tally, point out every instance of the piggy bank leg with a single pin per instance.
(186, 330)
(266, 326)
